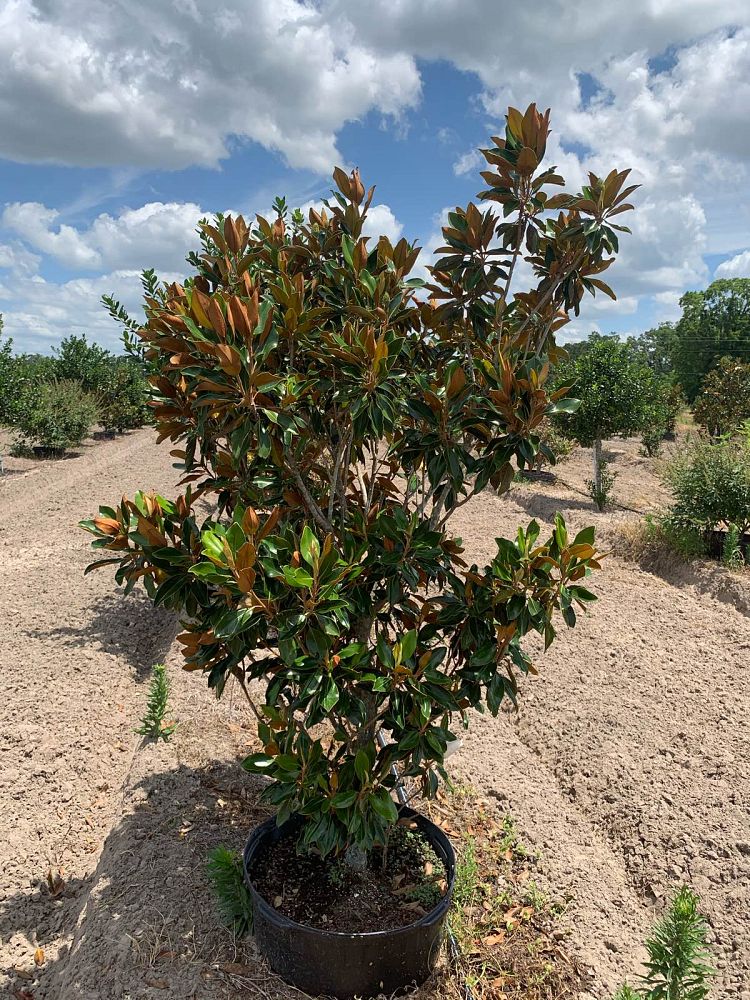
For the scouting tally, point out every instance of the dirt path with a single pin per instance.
(628, 766)
(73, 654)
(640, 715)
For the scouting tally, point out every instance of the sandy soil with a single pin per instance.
(627, 766)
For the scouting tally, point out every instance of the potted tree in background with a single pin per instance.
(335, 418)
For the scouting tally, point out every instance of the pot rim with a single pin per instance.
(273, 914)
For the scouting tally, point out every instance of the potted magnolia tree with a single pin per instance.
(332, 417)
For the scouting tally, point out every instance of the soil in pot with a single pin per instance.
(399, 885)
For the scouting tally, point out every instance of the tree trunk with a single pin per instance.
(598, 466)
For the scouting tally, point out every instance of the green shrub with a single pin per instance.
(20, 375)
(688, 542)
(119, 384)
(8, 384)
(58, 416)
(661, 413)
(77, 360)
(711, 485)
(123, 404)
(555, 442)
(724, 399)
(731, 551)
(654, 540)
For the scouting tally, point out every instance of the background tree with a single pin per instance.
(658, 347)
(78, 360)
(575, 349)
(715, 323)
(723, 402)
(7, 378)
(616, 389)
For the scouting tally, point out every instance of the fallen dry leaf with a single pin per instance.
(234, 968)
(493, 939)
(39, 956)
(55, 882)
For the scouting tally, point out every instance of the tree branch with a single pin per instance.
(312, 507)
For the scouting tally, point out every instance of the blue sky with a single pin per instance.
(119, 128)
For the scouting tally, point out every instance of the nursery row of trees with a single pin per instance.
(53, 402)
(639, 386)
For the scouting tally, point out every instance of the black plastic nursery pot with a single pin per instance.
(349, 965)
(715, 543)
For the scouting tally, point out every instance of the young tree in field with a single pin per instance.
(616, 389)
(724, 400)
(80, 361)
(331, 422)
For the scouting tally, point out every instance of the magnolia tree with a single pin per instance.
(331, 418)
(723, 403)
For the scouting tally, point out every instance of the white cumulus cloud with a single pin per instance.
(158, 84)
(736, 267)
(157, 234)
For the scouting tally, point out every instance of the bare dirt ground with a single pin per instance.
(627, 767)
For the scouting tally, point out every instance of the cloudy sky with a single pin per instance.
(121, 123)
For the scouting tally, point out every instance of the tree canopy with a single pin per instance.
(615, 387)
(715, 323)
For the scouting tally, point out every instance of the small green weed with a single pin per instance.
(677, 966)
(153, 723)
(602, 494)
(467, 874)
(229, 889)
(731, 553)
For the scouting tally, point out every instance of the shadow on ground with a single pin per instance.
(545, 507)
(129, 627)
(143, 924)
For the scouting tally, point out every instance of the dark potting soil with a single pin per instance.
(331, 895)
